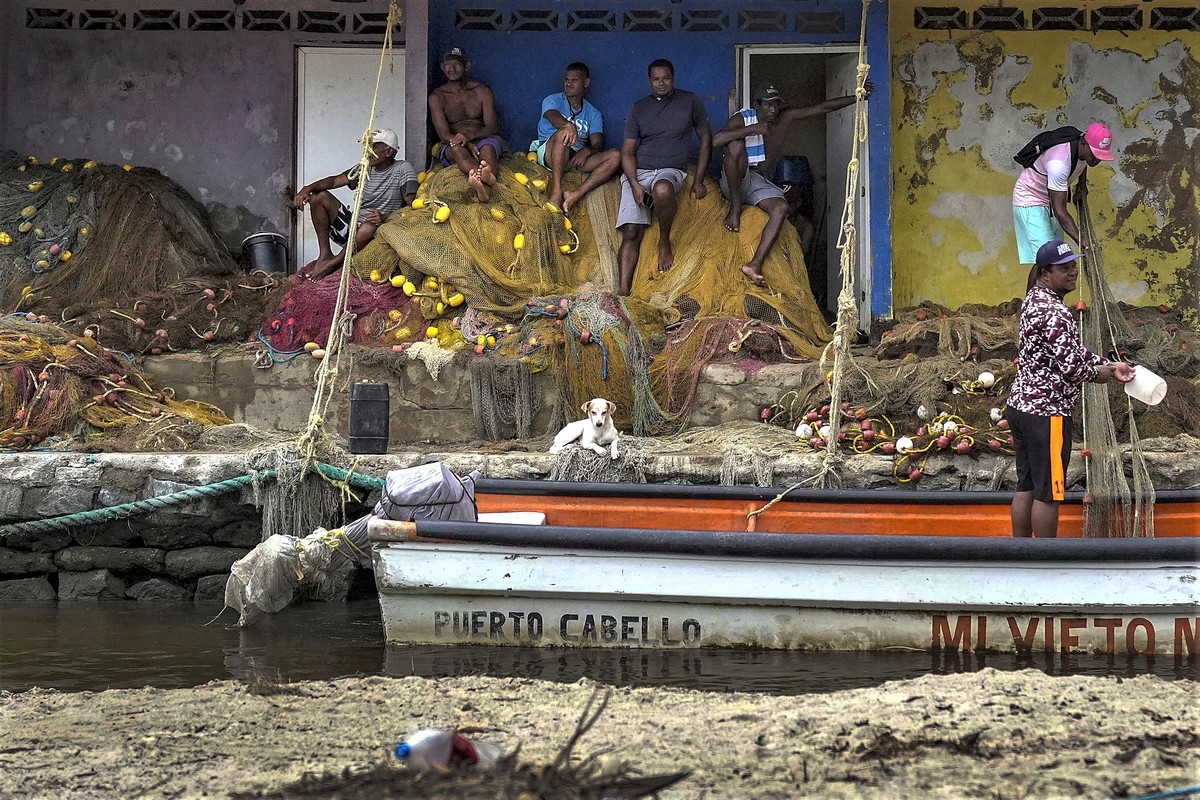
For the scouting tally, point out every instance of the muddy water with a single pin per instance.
(96, 646)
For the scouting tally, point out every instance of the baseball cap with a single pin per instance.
(1055, 251)
(386, 136)
(455, 52)
(1099, 138)
(769, 95)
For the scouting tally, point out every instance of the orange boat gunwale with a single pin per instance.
(809, 511)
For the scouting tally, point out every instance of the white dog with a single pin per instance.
(594, 432)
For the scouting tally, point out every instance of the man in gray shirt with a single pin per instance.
(391, 185)
(654, 160)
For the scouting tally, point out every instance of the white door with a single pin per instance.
(334, 90)
(840, 78)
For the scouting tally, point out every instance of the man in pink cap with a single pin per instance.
(1042, 192)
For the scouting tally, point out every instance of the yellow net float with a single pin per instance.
(418, 203)
(25, 227)
(89, 165)
(519, 241)
(442, 214)
(68, 167)
(457, 299)
(65, 255)
(497, 214)
(28, 211)
(538, 184)
(5, 239)
(521, 178)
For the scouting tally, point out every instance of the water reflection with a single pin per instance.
(97, 646)
(772, 671)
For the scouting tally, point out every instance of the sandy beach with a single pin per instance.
(986, 734)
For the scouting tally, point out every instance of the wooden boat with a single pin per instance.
(653, 566)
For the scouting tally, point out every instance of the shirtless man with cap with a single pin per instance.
(753, 139)
(463, 113)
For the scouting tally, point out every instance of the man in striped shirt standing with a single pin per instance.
(1052, 367)
(753, 139)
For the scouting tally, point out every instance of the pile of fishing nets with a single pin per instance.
(526, 289)
(909, 409)
(939, 383)
(59, 390)
(124, 255)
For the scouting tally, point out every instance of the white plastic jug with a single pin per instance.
(1147, 387)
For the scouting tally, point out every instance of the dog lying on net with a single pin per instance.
(596, 432)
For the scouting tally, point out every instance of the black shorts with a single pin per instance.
(339, 226)
(1043, 445)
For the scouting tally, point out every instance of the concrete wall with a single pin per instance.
(209, 102)
(964, 101)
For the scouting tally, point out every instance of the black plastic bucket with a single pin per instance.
(266, 251)
(369, 417)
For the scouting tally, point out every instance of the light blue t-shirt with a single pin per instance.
(587, 120)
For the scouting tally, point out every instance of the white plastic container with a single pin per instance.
(439, 748)
(1147, 387)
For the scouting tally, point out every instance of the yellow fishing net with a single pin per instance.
(540, 286)
(475, 248)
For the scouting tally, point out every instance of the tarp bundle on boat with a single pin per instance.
(429, 491)
(265, 580)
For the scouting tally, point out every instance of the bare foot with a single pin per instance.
(556, 199)
(666, 257)
(733, 220)
(487, 174)
(753, 274)
(482, 190)
(569, 199)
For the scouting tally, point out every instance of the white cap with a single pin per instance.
(387, 136)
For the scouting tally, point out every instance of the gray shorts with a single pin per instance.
(755, 188)
(630, 211)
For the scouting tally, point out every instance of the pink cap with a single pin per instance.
(1099, 138)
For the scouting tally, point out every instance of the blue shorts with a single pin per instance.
(1035, 226)
(495, 141)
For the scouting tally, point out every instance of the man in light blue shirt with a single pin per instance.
(571, 135)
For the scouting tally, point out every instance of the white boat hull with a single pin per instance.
(469, 593)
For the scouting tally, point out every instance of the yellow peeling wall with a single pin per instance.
(964, 101)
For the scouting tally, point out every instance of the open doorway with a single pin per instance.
(813, 169)
(334, 89)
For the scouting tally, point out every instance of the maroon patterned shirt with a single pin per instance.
(1054, 364)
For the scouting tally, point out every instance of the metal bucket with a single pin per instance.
(266, 251)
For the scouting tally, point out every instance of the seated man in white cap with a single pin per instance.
(753, 139)
(391, 185)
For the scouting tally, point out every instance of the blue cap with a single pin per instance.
(403, 750)
(1055, 251)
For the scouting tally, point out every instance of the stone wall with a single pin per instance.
(184, 552)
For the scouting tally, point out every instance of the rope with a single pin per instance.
(314, 439)
(847, 308)
(126, 510)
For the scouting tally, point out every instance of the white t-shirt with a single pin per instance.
(1048, 173)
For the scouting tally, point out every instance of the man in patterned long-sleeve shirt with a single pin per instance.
(1053, 366)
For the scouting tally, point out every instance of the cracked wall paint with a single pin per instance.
(964, 102)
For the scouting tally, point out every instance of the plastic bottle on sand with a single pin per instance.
(439, 748)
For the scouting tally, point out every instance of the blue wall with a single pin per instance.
(523, 66)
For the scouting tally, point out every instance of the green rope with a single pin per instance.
(126, 510)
